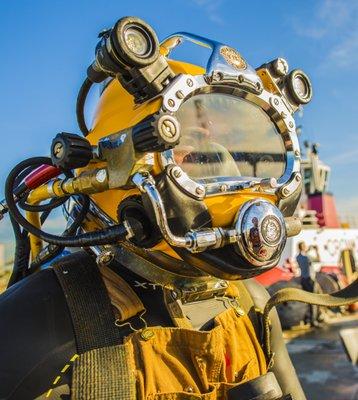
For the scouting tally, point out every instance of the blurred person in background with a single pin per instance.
(308, 276)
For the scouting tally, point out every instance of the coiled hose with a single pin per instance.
(110, 235)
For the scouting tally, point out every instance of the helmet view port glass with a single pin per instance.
(227, 136)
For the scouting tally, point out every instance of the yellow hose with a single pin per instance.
(35, 197)
(35, 242)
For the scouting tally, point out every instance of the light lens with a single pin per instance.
(300, 86)
(138, 41)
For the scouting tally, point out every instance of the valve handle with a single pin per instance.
(156, 133)
(69, 151)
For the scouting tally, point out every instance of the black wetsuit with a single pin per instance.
(37, 340)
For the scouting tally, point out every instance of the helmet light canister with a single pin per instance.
(130, 52)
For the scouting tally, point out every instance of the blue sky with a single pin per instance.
(46, 47)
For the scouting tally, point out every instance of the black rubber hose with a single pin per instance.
(80, 216)
(21, 267)
(112, 234)
(47, 212)
(80, 105)
(21, 260)
(23, 175)
(42, 207)
(27, 165)
(21, 254)
(16, 228)
(22, 243)
(55, 250)
(44, 216)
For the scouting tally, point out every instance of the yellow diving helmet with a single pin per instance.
(207, 160)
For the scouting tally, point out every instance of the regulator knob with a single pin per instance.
(156, 133)
(69, 151)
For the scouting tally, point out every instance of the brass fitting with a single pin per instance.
(87, 182)
(293, 226)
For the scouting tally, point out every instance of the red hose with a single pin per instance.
(41, 175)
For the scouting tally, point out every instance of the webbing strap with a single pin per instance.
(126, 302)
(87, 299)
(346, 296)
(104, 374)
